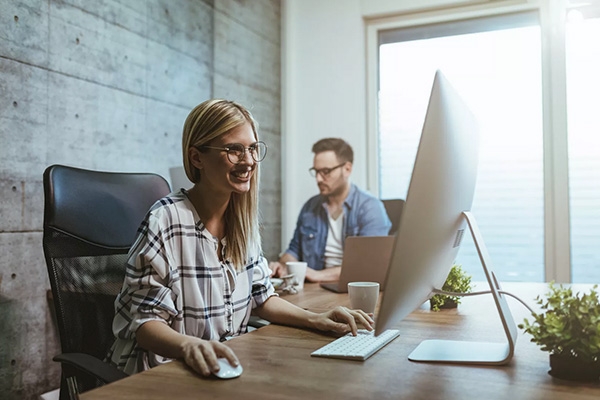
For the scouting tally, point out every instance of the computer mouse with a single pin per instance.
(227, 370)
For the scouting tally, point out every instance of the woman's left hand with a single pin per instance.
(343, 320)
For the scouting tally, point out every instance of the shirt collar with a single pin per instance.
(352, 193)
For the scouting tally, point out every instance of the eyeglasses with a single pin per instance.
(236, 152)
(324, 172)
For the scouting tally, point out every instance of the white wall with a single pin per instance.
(324, 92)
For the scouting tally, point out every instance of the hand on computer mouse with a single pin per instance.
(226, 370)
(203, 355)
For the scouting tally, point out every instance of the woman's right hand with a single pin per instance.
(201, 355)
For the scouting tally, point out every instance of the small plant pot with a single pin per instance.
(447, 304)
(573, 369)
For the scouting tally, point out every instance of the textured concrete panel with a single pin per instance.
(265, 106)
(165, 123)
(22, 205)
(246, 57)
(26, 366)
(101, 46)
(171, 26)
(95, 124)
(29, 336)
(270, 212)
(87, 47)
(22, 266)
(130, 14)
(11, 207)
(23, 133)
(22, 120)
(271, 165)
(262, 16)
(176, 77)
(247, 64)
(24, 31)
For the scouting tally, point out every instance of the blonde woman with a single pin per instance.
(196, 271)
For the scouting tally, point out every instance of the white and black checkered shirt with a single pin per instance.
(174, 275)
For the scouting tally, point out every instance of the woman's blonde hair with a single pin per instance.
(207, 121)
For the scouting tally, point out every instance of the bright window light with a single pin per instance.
(498, 73)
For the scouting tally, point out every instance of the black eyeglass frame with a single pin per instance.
(324, 172)
(240, 151)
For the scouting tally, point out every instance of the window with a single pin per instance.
(495, 63)
(583, 89)
(509, 68)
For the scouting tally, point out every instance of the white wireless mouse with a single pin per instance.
(227, 370)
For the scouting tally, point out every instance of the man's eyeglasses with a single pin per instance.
(324, 172)
(236, 152)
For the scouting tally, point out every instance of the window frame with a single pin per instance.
(557, 249)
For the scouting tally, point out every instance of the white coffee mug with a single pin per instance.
(298, 269)
(363, 295)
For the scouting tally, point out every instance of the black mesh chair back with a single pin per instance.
(393, 207)
(90, 222)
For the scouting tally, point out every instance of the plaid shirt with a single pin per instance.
(174, 275)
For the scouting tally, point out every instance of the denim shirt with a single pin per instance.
(364, 215)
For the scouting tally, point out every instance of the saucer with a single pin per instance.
(277, 282)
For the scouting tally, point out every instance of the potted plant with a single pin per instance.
(458, 281)
(569, 329)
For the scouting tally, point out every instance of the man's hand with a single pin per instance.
(277, 269)
(324, 275)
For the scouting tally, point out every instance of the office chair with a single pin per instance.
(393, 207)
(90, 222)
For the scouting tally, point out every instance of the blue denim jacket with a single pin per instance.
(364, 215)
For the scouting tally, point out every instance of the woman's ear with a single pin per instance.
(195, 157)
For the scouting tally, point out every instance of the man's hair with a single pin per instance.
(342, 150)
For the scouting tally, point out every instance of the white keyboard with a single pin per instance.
(359, 347)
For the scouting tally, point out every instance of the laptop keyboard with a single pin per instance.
(359, 347)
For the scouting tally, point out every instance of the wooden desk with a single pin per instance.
(277, 362)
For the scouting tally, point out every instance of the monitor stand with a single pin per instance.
(450, 351)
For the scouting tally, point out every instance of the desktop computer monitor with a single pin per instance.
(434, 220)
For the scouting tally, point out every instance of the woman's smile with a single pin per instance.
(243, 174)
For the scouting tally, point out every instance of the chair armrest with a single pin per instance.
(92, 366)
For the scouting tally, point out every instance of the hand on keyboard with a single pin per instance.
(342, 319)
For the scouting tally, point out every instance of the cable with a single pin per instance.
(454, 294)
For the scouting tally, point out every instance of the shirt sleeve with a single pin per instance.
(149, 277)
(373, 219)
(262, 288)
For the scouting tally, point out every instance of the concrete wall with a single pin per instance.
(107, 85)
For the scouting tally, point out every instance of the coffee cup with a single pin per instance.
(298, 269)
(363, 296)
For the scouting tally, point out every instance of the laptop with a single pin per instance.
(366, 258)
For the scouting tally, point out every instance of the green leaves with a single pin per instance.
(458, 281)
(569, 324)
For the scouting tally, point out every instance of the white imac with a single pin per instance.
(434, 219)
